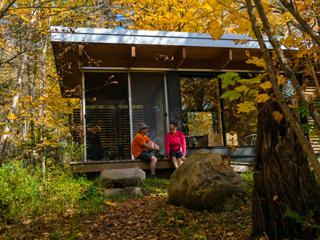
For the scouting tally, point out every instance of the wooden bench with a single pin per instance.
(99, 166)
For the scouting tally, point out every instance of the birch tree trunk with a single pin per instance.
(42, 108)
(15, 99)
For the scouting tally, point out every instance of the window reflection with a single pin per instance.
(201, 111)
(148, 105)
(241, 128)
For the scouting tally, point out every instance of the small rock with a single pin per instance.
(119, 192)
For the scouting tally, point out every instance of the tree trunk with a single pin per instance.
(15, 98)
(282, 180)
(31, 89)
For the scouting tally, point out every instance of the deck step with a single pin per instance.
(99, 166)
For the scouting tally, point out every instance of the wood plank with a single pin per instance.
(82, 58)
(226, 58)
(132, 56)
(180, 57)
(99, 166)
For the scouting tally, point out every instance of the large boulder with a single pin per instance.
(201, 183)
(120, 178)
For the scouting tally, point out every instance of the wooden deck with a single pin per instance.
(99, 166)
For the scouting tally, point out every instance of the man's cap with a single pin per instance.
(142, 126)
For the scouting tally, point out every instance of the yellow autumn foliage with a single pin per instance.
(266, 85)
(261, 98)
(277, 116)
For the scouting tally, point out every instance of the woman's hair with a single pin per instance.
(174, 124)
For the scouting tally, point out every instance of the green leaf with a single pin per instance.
(232, 94)
(315, 226)
(229, 78)
(250, 81)
(303, 111)
(293, 214)
(307, 127)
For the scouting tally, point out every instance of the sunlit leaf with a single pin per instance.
(293, 106)
(250, 81)
(11, 116)
(246, 107)
(215, 29)
(277, 116)
(281, 79)
(266, 85)
(262, 98)
(242, 88)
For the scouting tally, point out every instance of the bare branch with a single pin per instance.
(301, 21)
(306, 145)
(14, 57)
(6, 8)
(284, 64)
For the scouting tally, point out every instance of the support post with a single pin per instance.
(130, 111)
(132, 56)
(83, 94)
(180, 57)
(166, 100)
(226, 58)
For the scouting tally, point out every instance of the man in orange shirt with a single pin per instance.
(142, 148)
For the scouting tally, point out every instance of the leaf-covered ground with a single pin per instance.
(149, 217)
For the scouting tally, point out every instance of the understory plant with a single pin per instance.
(26, 194)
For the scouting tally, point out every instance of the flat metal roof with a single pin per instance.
(123, 36)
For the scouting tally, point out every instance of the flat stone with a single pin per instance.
(119, 192)
(120, 178)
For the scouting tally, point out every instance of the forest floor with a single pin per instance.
(149, 217)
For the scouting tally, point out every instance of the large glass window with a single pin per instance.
(107, 116)
(148, 105)
(201, 111)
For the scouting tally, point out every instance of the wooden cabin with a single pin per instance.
(161, 77)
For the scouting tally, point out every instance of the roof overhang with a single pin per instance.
(90, 49)
(143, 37)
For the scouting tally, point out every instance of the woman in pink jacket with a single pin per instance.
(175, 145)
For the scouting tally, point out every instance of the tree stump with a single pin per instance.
(282, 181)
